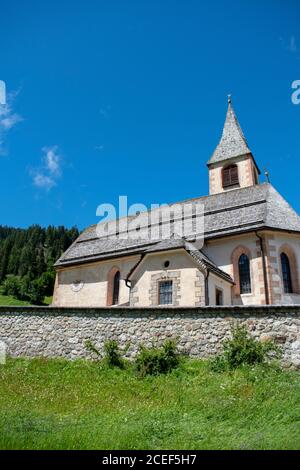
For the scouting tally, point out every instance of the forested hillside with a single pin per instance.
(27, 257)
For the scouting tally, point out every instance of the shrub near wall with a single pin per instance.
(63, 332)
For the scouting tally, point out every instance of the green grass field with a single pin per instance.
(9, 300)
(57, 404)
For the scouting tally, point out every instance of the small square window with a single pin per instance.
(165, 292)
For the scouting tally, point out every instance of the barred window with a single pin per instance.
(165, 292)
(286, 274)
(116, 288)
(230, 176)
(244, 274)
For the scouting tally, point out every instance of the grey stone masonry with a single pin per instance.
(200, 289)
(62, 332)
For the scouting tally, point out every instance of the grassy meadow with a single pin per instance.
(12, 301)
(60, 404)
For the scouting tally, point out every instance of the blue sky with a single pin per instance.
(110, 98)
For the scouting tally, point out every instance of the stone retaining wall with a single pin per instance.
(62, 332)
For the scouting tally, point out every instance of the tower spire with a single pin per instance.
(232, 164)
(233, 142)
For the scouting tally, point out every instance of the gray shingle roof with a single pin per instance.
(233, 142)
(169, 244)
(203, 260)
(232, 212)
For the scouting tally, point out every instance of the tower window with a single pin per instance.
(230, 176)
(286, 274)
(244, 274)
(116, 288)
(165, 293)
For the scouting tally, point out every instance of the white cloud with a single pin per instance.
(99, 147)
(289, 44)
(8, 119)
(47, 175)
(42, 181)
(52, 160)
(292, 47)
(105, 111)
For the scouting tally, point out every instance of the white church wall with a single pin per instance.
(181, 268)
(220, 251)
(86, 285)
(215, 282)
(277, 243)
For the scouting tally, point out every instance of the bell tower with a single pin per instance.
(232, 164)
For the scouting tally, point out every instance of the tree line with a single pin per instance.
(27, 257)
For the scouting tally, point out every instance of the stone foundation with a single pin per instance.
(62, 332)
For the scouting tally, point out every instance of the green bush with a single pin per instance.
(27, 288)
(157, 360)
(47, 280)
(112, 353)
(243, 349)
(36, 292)
(12, 286)
(91, 347)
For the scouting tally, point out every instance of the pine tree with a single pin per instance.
(30, 254)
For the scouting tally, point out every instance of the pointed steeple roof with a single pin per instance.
(233, 142)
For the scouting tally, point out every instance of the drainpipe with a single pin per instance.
(206, 287)
(264, 268)
(127, 281)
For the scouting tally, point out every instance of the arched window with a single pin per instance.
(286, 274)
(244, 274)
(230, 176)
(113, 286)
(116, 288)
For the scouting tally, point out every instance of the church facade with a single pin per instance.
(250, 254)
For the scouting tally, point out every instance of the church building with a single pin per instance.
(250, 254)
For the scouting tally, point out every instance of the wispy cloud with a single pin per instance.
(292, 47)
(46, 176)
(290, 44)
(104, 111)
(42, 181)
(99, 148)
(8, 119)
(52, 160)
